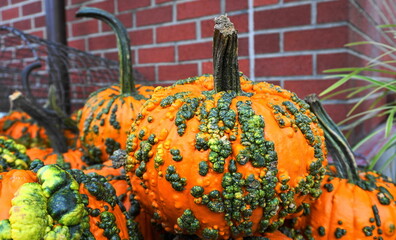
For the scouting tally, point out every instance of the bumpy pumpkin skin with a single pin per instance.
(51, 203)
(348, 211)
(220, 165)
(105, 120)
(12, 155)
(72, 159)
(20, 126)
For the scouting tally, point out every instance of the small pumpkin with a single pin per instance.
(221, 156)
(48, 202)
(21, 127)
(108, 112)
(354, 204)
(12, 155)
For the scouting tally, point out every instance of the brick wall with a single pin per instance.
(287, 42)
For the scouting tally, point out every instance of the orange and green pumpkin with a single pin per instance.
(12, 155)
(354, 204)
(109, 112)
(21, 127)
(221, 156)
(51, 203)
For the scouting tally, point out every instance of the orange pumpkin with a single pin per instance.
(21, 127)
(72, 159)
(224, 157)
(354, 204)
(108, 113)
(117, 178)
(57, 204)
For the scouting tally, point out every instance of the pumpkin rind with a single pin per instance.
(108, 112)
(21, 127)
(360, 207)
(231, 165)
(72, 205)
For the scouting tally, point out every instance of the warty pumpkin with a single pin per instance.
(21, 127)
(221, 156)
(115, 175)
(48, 202)
(12, 155)
(109, 112)
(354, 204)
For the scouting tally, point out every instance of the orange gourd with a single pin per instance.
(21, 127)
(60, 204)
(354, 204)
(221, 156)
(108, 112)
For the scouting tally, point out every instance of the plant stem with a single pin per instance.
(126, 79)
(225, 56)
(337, 144)
(51, 124)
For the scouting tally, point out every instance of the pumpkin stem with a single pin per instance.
(225, 56)
(51, 124)
(336, 142)
(126, 79)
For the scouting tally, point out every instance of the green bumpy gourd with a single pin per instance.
(28, 214)
(49, 209)
(12, 155)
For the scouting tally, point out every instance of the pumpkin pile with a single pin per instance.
(210, 157)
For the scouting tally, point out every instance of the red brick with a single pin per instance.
(266, 43)
(130, 5)
(335, 37)
(282, 17)
(13, 2)
(195, 51)
(156, 55)
(32, 8)
(79, 44)
(337, 60)
(23, 25)
(102, 42)
(243, 46)
(207, 28)
(141, 37)
(176, 32)
(305, 87)
(207, 67)
(38, 33)
(11, 13)
(85, 27)
(284, 66)
(112, 55)
(71, 14)
(233, 5)
(147, 72)
(39, 21)
(337, 112)
(287, 1)
(196, 9)
(244, 66)
(3, 3)
(332, 11)
(78, 1)
(126, 19)
(177, 72)
(154, 15)
(105, 5)
(264, 2)
(162, 1)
